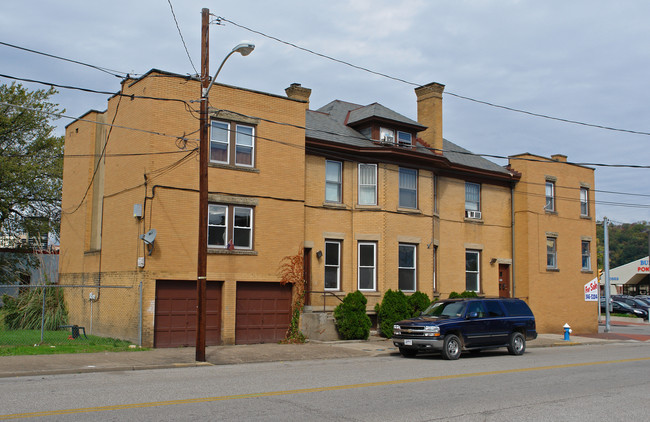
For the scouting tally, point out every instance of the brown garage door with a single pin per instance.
(175, 317)
(263, 312)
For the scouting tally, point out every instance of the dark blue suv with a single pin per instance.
(451, 326)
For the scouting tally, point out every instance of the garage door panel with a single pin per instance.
(175, 315)
(263, 312)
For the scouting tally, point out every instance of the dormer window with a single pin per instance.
(386, 135)
(404, 138)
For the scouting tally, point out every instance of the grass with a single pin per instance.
(28, 342)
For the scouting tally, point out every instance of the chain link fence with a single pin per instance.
(57, 314)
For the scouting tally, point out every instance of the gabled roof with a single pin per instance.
(378, 111)
(328, 124)
(324, 127)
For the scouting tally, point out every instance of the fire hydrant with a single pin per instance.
(567, 332)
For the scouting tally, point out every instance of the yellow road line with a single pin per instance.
(305, 390)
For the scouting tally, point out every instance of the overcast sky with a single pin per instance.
(583, 60)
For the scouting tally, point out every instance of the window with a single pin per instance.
(244, 144)
(551, 253)
(367, 274)
(217, 225)
(435, 268)
(386, 135)
(408, 188)
(332, 265)
(333, 181)
(404, 138)
(406, 262)
(243, 228)
(367, 184)
(494, 309)
(234, 232)
(584, 202)
(550, 196)
(472, 200)
(221, 139)
(219, 142)
(435, 193)
(472, 273)
(586, 256)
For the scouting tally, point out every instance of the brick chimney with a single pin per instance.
(559, 157)
(430, 113)
(297, 92)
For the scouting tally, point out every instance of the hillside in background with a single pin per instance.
(627, 242)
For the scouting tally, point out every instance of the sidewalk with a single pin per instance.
(17, 366)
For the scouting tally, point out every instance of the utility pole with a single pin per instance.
(201, 270)
(606, 266)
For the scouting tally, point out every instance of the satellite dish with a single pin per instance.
(148, 239)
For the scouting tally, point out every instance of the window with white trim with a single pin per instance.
(551, 253)
(586, 255)
(550, 196)
(408, 188)
(333, 181)
(472, 271)
(332, 265)
(407, 277)
(584, 202)
(224, 140)
(367, 184)
(472, 196)
(230, 227)
(219, 141)
(404, 138)
(367, 259)
(244, 145)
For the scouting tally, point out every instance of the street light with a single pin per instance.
(244, 49)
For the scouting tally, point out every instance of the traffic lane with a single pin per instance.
(566, 392)
(148, 389)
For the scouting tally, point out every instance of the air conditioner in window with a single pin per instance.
(389, 139)
(473, 214)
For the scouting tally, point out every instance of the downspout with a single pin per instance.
(512, 219)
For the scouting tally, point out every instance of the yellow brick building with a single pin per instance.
(375, 200)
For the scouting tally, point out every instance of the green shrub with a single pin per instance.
(394, 307)
(352, 321)
(465, 294)
(419, 301)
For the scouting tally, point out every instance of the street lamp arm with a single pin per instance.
(244, 48)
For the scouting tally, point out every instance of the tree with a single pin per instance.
(627, 242)
(31, 162)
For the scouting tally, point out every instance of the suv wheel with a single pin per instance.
(451, 348)
(408, 353)
(517, 344)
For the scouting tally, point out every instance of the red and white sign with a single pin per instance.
(591, 291)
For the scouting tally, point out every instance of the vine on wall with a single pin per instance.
(291, 272)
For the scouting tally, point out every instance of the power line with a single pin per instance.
(102, 69)
(94, 91)
(463, 97)
(196, 72)
(58, 115)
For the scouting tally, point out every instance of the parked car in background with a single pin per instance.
(619, 307)
(451, 326)
(634, 303)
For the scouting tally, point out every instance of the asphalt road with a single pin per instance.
(600, 382)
